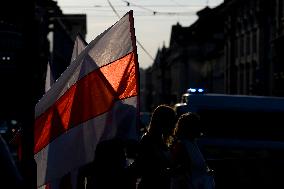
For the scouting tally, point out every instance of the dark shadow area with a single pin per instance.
(245, 149)
(243, 124)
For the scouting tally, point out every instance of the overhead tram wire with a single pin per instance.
(144, 6)
(151, 11)
(157, 12)
(136, 39)
(141, 7)
(113, 9)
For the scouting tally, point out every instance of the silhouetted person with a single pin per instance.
(114, 154)
(109, 165)
(190, 168)
(154, 158)
(131, 149)
(9, 174)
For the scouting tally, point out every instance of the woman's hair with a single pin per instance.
(188, 125)
(163, 117)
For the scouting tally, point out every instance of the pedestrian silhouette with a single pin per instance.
(108, 165)
(153, 159)
(190, 168)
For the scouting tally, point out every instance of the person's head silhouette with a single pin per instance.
(162, 121)
(188, 126)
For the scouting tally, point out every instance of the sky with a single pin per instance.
(153, 19)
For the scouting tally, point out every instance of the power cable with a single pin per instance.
(141, 7)
(156, 12)
(136, 39)
(113, 9)
(154, 5)
(145, 13)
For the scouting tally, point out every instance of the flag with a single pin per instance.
(79, 46)
(95, 99)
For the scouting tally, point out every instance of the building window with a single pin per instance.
(242, 46)
(247, 82)
(254, 41)
(241, 79)
(248, 46)
(281, 9)
(237, 47)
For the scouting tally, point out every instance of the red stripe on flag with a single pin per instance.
(91, 96)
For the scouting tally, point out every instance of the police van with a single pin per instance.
(243, 137)
(236, 115)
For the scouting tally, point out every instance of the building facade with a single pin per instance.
(253, 31)
(194, 58)
(25, 51)
(247, 52)
(234, 48)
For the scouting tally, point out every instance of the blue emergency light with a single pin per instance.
(200, 90)
(195, 90)
(191, 90)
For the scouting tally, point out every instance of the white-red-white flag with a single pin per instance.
(95, 99)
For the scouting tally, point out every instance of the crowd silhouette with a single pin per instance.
(165, 156)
